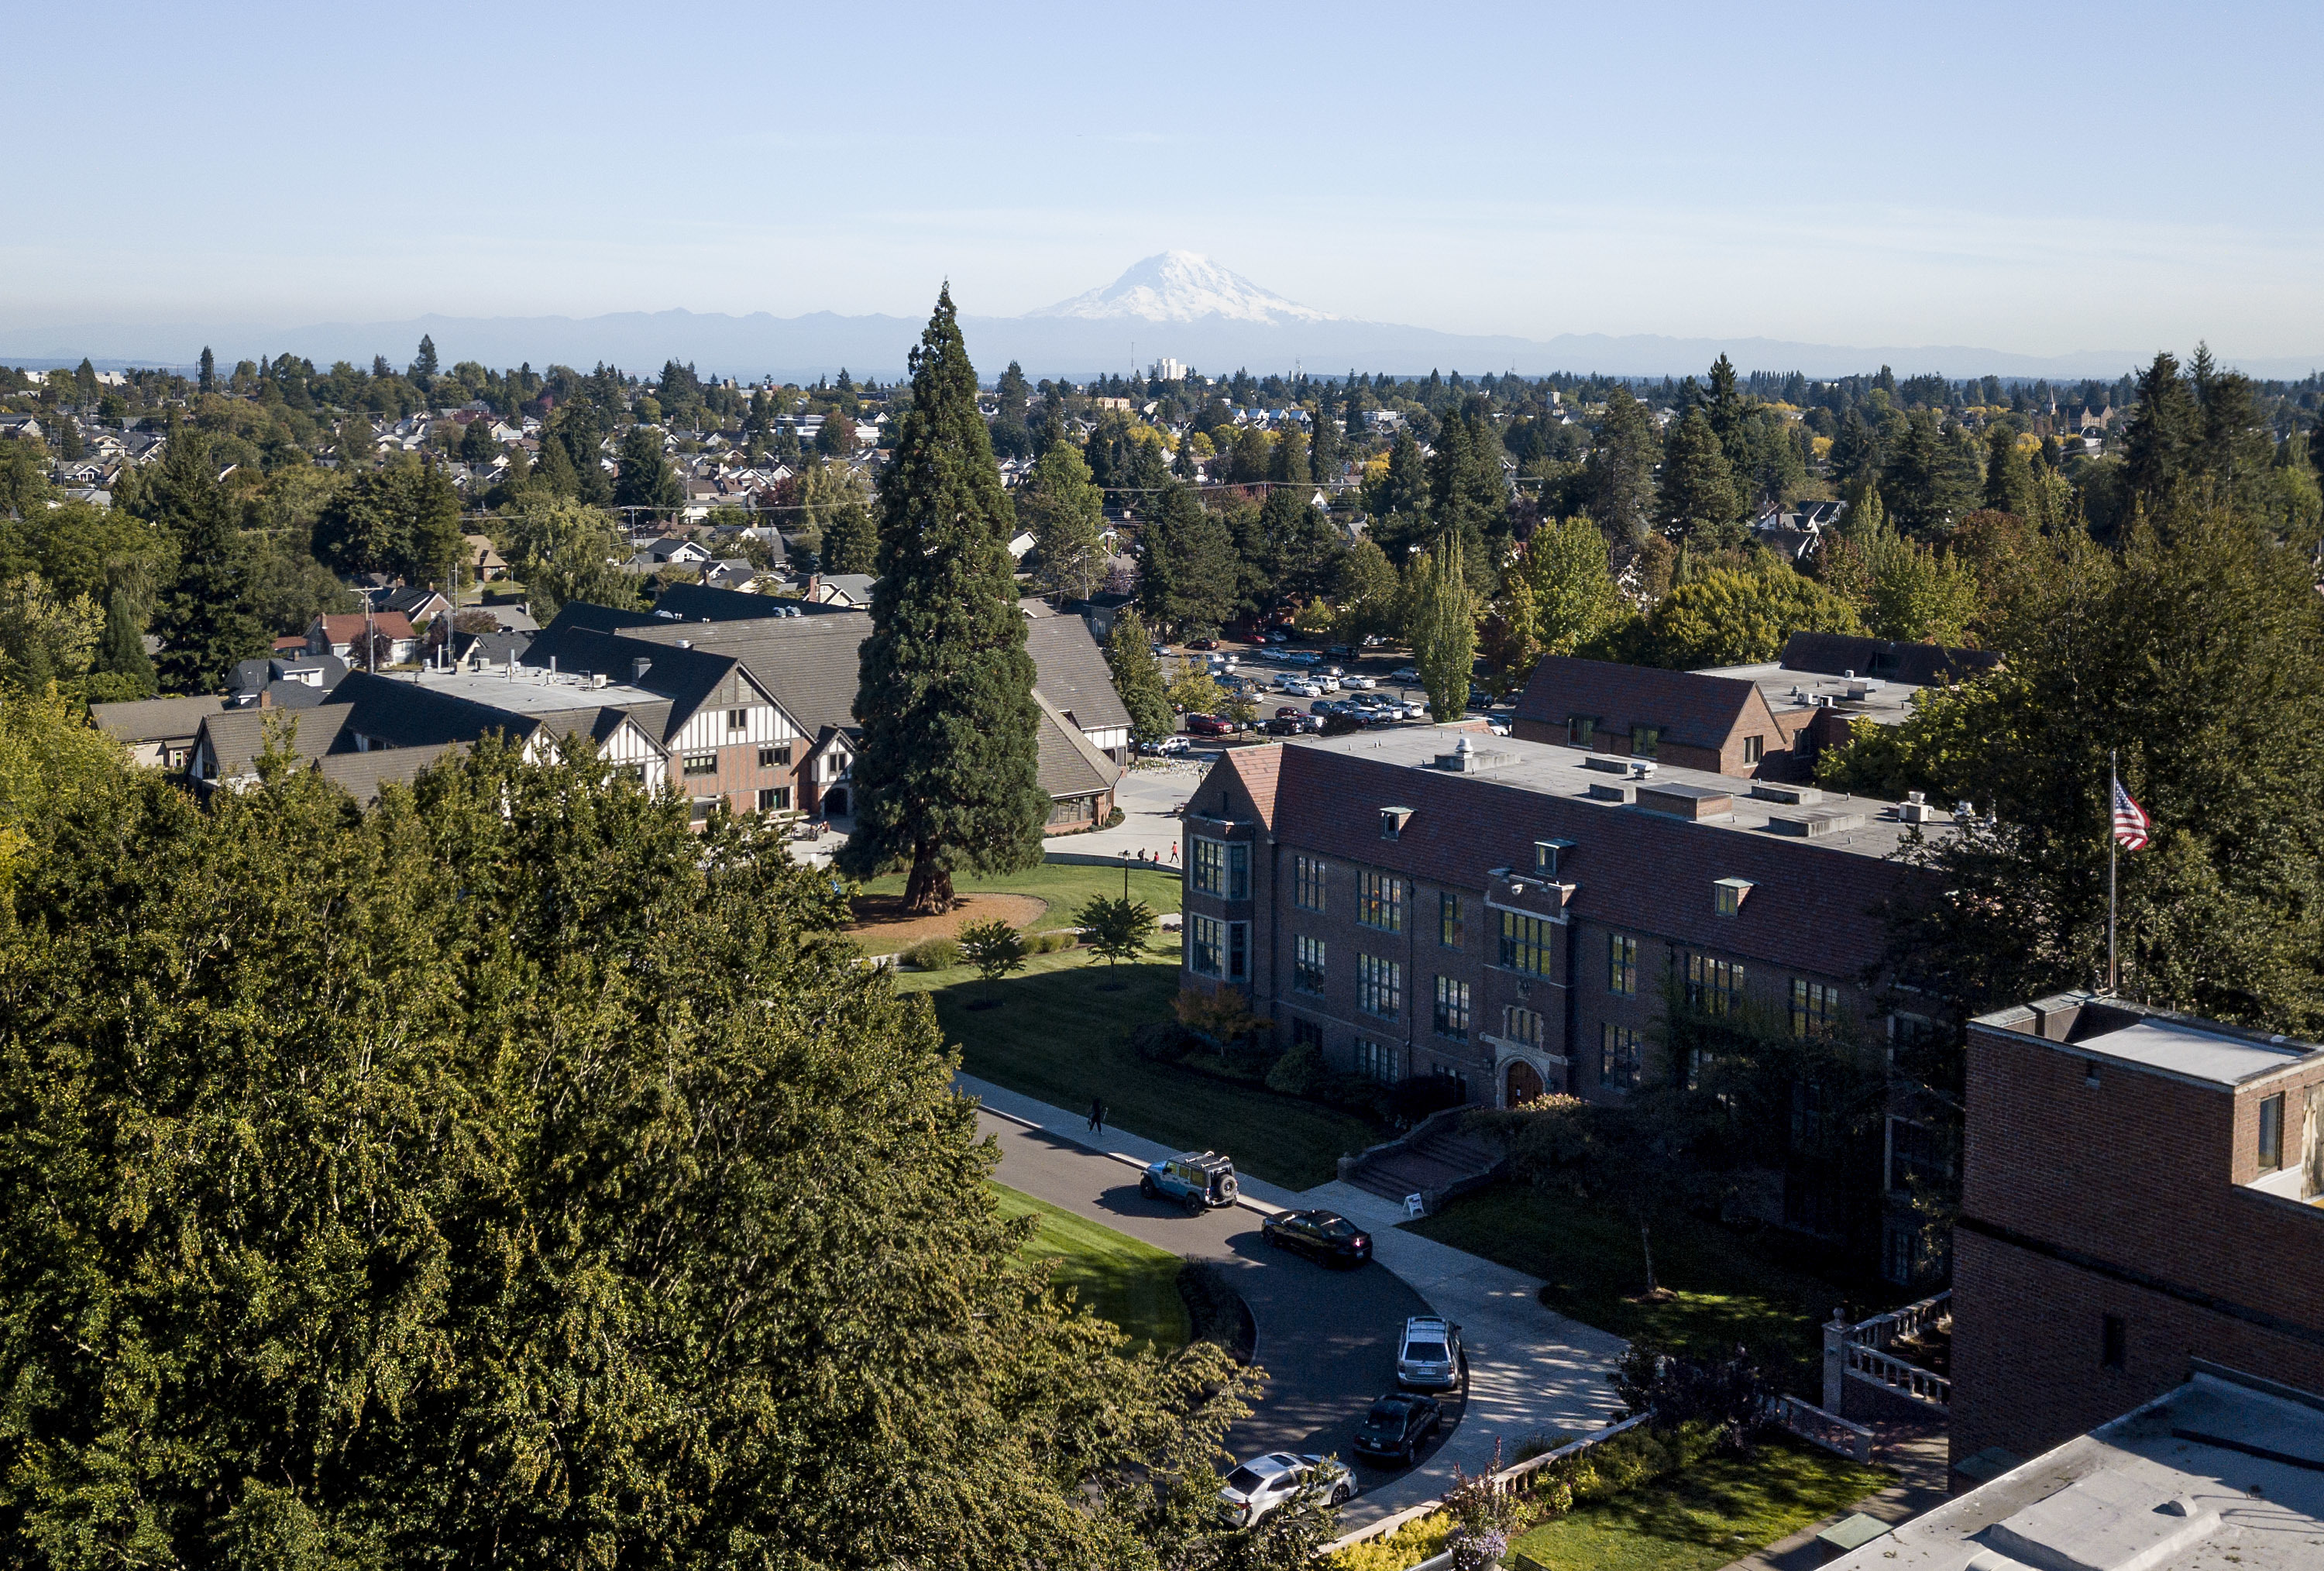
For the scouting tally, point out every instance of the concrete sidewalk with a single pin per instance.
(1529, 1369)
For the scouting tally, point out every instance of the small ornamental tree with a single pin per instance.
(995, 948)
(1115, 928)
(1138, 678)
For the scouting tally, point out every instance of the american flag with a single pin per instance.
(2130, 822)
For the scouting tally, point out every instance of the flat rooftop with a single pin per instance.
(1877, 699)
(2216, 1475)
(531, 690)
(1865, 826)
(2191, 1048)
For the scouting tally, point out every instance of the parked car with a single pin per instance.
(1374, 641)
(1428, 1355)
(1303, 657)
(1286, 710)
(1358, 680)
(1299, 689)
(1201, 644)
(1265, 1482)
(1211, 725)
(1321, 1236)
(1279, 636)
(1164, 747)
(1405, 674)
(1199, 1180)
(1341, 652)
(1397, 1426)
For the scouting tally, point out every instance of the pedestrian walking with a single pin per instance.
(1097, 1115)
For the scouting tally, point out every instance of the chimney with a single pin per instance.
(638, 667)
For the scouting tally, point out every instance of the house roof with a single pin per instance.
(1923, 665)
(155, 719)
(348, 628)
(1811, 901)
(1691, 708)
(1071, 672)
(1261, 770)
(1071, 764)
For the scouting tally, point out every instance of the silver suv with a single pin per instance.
(1429, 1354)
(1263, 1483)
(1199, 1180)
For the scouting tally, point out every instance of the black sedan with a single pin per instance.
(1397, 1426)
(1325, 1236)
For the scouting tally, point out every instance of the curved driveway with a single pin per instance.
(1326, 1337)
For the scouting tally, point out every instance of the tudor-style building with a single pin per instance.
(1507, 914)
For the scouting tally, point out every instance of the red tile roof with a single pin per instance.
(1811, 907)
(1258, 769)
(1693, 711)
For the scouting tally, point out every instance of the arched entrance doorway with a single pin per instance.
(1525, 1083)
(835, 802)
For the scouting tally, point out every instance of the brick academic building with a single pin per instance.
(2140, 1199)
(1504, 913)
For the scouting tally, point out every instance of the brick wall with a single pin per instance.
(2118, 1194)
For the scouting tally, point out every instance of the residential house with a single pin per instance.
(808, 655)
(158, 732)
(484, 559)
(415, 606)
(392, 640)
(295, 681)
(851, 591)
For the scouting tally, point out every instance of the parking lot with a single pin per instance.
(1380, 681)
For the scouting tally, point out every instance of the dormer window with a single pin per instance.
(1645, 741)
(1580, 729)
(1728, 895)
(1548, 855)
(1392, 822)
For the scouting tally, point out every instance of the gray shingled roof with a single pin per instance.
(1071, 764)
(155, 719)
(1071, 672)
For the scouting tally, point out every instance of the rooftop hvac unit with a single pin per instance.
(1915, 813)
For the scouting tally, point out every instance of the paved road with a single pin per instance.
(1326, 1337)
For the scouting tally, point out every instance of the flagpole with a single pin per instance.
(2113, 785)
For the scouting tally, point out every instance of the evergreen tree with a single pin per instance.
(2159, 443)
(646, 480)
(555, 473)
(1064, 513)
(121, 649)
(423, 366)
(477, 444)
(947, 776)
(2008, 481)
(1619, 473)
(208, 379)
(203, 617)
(1444, 632)
(1138, 678)
(430, 508)
(1698, 498)
(850, 542)
(1920, 483)
(424, 1140)
(1468, 499)
(1189, 570)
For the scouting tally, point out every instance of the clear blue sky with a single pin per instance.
(2031, 177)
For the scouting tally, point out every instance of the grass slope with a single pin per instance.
(1118, 1278)
(1720, 1510)
(1730, 1287)
(1061, 1035)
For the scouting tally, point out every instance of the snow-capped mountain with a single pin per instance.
(1181, 286)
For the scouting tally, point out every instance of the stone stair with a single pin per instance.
(1434, 1158)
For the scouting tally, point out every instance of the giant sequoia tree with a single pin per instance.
(947, 777)
(606, 1213)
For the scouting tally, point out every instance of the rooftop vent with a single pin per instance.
(638, 667)
(1797, 796)
(1815, 826)
(1393, 820)
(1609, 791)
(1686, 801)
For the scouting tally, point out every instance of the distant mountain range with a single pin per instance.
(1176, 304)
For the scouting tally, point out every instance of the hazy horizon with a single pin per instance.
(2040, 184)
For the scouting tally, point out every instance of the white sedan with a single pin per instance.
(1358, 681)
(1265, 1482)
(1300, 690)
(1404, 674)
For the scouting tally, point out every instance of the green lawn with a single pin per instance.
(1064, 885)
(1132, 1284)
(1730, 1287)
(1061, 1033)
(1720, 1510)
